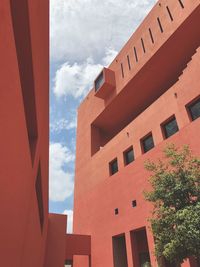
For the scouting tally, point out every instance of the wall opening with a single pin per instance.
(151, 35)
(135, 52)
(68, 263)
(147, 143)
(21, 28)
(113, 166)
(193, 109)
(181, 3)
(116, 211)
(119, 251)
(169, 127)
(160, 25)
(134, 203)
(128, 156)
(169, 13)
(143, 47)
(122, 70)
(140, 249)
(99, 81)
(129, 65)
(39, 195)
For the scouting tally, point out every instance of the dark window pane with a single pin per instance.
(128, 156)
(116, 211)
(113, 167)
(170, 127)
(147, 143)
(99, 81)
(194, 110)
(134, 203)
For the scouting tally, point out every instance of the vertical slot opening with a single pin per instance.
(151, 36)
(129, 65)
(39, 195)
(143, 47)
(169, 13)
(21, 28)
(160, 25)
(122, 70)
(135, 52)
(181, 3)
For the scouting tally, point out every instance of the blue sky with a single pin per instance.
(85, 35)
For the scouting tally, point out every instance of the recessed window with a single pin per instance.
(116, 211)
(113, 165)
(134, 203)
(128, 156)
(99, 81)
(147, 143)
(170, 127)
(194, 109)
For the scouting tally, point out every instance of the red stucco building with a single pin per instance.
(147, 97)
(29, 236)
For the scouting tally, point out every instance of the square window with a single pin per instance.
(194, 110)
(134, 203)
(113, 166)
(170, 127)
(129, 156)
(116, 211)
(147, 143)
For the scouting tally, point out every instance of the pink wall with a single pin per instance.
(97, 193)
(21, 234)
(55, 244)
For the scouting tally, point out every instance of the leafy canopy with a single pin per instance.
(176, 198)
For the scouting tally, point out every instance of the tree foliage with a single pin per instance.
(176, 198)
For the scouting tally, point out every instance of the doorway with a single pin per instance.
(140, 249)
(119, 251)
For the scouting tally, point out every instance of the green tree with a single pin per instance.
(175, 194)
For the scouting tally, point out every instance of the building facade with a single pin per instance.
(149, 96)
(29, 236)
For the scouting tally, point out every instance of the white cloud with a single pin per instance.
(69, 214)
(77, 79)
(63, 124)
(81, 29)
(108, 58)
(60, 181)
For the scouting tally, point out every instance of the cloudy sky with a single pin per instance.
(85, 35)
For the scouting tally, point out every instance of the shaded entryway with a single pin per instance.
(68, 263)
(119, 251)
(140, 249)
